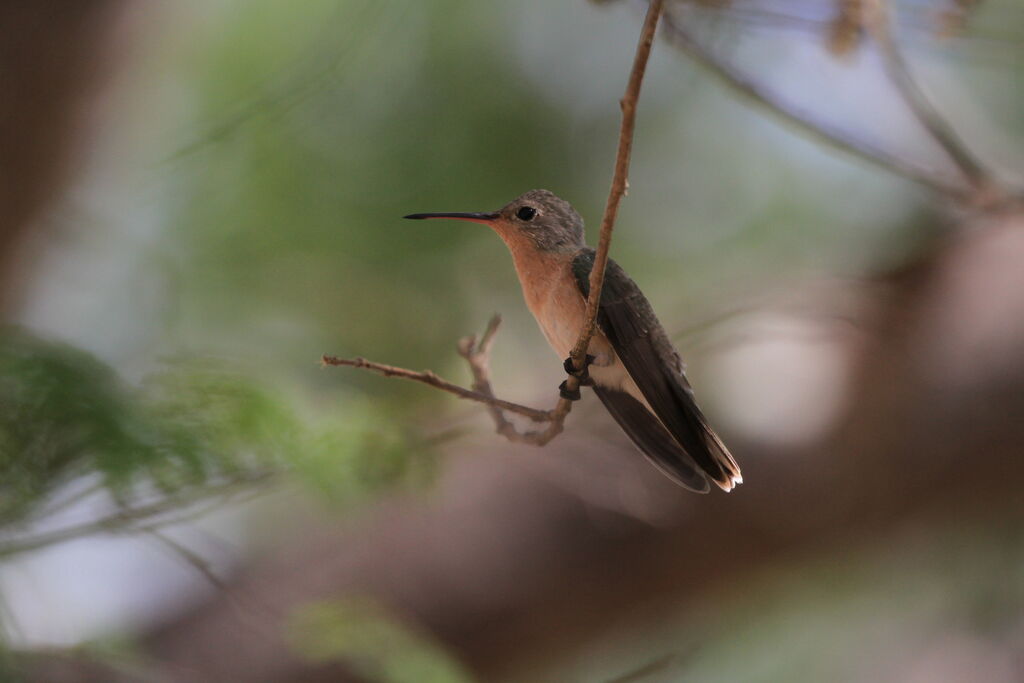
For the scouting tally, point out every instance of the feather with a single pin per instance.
(652, 439)
(626, 318)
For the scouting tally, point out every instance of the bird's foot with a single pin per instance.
(564, 392)
(582, 376)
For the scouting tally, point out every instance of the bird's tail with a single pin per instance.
(731, 476)
(653, 440)
(703, 458)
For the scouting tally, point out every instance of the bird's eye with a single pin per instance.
(526, 213)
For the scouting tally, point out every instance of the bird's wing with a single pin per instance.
(651, 438)
(627, 320)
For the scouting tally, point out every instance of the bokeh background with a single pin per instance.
(198, 199)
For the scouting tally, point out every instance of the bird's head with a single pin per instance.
(548, 222)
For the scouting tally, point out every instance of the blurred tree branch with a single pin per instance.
(190, 557)
(147, 517)
(982, 187)
(879, 25)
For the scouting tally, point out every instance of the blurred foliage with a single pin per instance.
(372, 642)
(861, 613)
(65, 414)
(102, 659)
(363, 454)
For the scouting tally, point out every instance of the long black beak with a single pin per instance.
(472, 217)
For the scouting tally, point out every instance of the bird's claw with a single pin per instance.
(582, 375)
(564, 392)
(583, 378)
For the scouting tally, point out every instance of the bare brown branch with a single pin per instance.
(429, 378)
(620, 184)
(478, 356)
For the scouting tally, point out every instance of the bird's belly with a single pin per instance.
(561, 314)
(563, 330)
(554, 298)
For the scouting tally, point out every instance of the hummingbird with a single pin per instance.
(631, 364)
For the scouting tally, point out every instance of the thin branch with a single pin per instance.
(678, 36)
(879, 26)
(198, 510)
(428, 377)
(192, 558)
(478, 356)
(620, 183)
(129, 519)
(70, 500)
(246, 604)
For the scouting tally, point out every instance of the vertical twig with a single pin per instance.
(620, 183)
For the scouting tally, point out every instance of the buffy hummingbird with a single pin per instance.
(631, 364)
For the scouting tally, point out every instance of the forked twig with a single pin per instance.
(982, 188)
(477, 354)
(879, 26)
(620, 179)
(683, 40)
